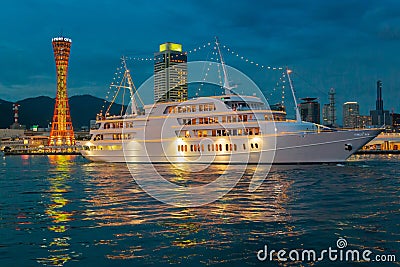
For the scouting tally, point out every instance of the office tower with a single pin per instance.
(379, 116)
(310, 110)
(170, 73)
(351, 110)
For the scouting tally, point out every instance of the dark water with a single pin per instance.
(66, 211)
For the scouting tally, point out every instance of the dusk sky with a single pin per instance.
(347, 45)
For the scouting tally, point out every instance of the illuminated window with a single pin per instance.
(209, 147)
(235, 147)
(220, 147)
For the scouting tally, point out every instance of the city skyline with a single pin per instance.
(346, 46)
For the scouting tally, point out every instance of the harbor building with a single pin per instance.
(351, 110)
(379, 116)
(329, 110)
(170, 74)
(310, 110)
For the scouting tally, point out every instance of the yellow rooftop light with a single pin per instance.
(171, 47)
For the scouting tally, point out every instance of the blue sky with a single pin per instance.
(346, 45)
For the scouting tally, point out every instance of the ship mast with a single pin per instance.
(298, 117)
(227, 87)
(126, 83)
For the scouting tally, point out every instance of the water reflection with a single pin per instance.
(58, 211)
(114, 200)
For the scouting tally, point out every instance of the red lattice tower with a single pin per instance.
(62, 132)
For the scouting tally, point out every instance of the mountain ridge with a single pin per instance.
(39, 110)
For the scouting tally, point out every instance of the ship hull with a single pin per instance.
(306, 148)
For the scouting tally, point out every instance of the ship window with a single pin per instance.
(233, 118)
(205, 133)
(216, 147)
(179, 148)
(250, 131)
(230, 147)
(185, 148)
(235, 147)
(226, 147)
(193, 108)
(244, 146)
(234, 132)
(182, 148)
(202, 147)
(187, 134)
(223, 119)
(195, 148)
(201, 121)
(220, 147)
(228, 119)
(240, 131)
(256, 145)
(214, 132)
(209, 147)
(212, 147)
(191, 148)
(256, 131)
(216, 119)
(200, 107)
(193, 121)
(252, 146)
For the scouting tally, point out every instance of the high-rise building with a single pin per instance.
(329, 110)
(310, 110)
(62, 132)
(363, 121)
(379, 115)
(170, 73)
(350, 112)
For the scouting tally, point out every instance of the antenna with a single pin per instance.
(298, 117)
(227, 87)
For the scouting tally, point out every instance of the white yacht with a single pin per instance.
(230, 128)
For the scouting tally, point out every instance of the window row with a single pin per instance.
(214, 147)
(212, 120)
(220, 132)
(190, 108)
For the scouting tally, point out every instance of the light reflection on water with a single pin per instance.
(63, 210)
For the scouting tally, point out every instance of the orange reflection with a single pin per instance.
(56, 210)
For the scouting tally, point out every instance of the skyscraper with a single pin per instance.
(170, 73)
(62, 132)
(329, 110)
(379, 115)
(351, 111)
(310, 110)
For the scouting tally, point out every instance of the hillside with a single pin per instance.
(39, 110)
